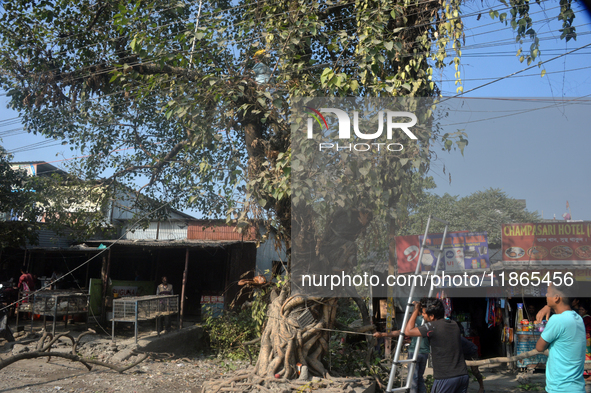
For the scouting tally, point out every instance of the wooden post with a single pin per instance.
(185, 273)
(29, 263)
(155, 266)
(105, 277)
(392, 270)
(512, 365)
(87, 283)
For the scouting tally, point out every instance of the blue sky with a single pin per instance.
(541, 156)
(533, 149)
(538, 155)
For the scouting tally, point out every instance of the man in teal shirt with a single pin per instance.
(565, 338)
(418, 382)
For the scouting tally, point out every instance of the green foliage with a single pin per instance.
(531, 387)
(259, 309)
(477, 212)
(349, 352)
(429, 382)
(155, 98)
(228, 331)
(352, 359)
(58, 202)
(522, 23)
(18, 200)
(347, 311)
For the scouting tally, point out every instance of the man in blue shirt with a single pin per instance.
(564, 336)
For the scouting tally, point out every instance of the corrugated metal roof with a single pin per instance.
(42, 167)
(170, 243)
(64, 249)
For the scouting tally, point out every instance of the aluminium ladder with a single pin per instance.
(409, 309)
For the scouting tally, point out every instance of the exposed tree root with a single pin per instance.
(248, 381)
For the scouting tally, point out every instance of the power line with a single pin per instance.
(520, 112)
(132, 227)
(149, 61)
(523, 70)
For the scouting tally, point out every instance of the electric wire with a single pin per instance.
(493, 79)
(310, 67)
(50, 283)
(314, 66)
(235, 42)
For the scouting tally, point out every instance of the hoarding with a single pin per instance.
(462, 251)
(556, 243)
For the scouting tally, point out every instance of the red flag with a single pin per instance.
(567, 206)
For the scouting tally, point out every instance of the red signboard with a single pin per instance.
(462, 251)
(407, 253)
(557, 241)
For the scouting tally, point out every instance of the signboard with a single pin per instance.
(140, 288)
(462, 251)
(124, 291)
(552, 243)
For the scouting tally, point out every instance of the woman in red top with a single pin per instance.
(26, 282)
(583, 310)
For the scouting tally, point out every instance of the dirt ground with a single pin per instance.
(60, 375)
(177, 371)
(168, 376)
(182, 375)
(166, 372)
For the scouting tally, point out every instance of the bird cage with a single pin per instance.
(60, 303)
(144, 307)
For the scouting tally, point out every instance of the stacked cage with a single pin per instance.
(147, 307)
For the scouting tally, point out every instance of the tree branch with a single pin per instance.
(147, 69)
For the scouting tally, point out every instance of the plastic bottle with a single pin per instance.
(519, 317)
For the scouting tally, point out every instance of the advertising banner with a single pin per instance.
(553, 243)
(462, 251)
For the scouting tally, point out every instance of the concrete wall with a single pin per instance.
(266, 254)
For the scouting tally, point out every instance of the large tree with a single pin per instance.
(192, 100)
(55, 201)
(17, 205)
(482, 211)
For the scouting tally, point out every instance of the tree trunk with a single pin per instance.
(287, 340)
(285, 344)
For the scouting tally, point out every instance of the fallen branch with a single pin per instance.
(43, 350)
(47, 347)
(120, 370)
(528, 354)
(34, 355)
(89, 331)
(86, 362)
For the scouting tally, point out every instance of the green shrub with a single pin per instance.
(228, 331)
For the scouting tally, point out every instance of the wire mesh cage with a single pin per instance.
(60, 303)
(26, 304)
(147, 307)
